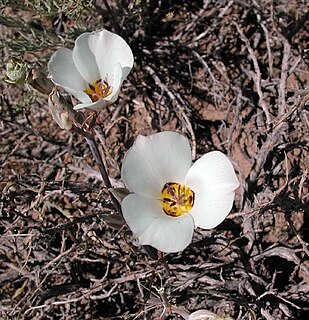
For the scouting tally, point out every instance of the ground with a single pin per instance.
(231, 76)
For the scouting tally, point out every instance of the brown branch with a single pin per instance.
(283, 77)
(257, 75)
(270, 56)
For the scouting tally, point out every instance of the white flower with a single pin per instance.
(207, 315)
(94, 71)
(170, 197)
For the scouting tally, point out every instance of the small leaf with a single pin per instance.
(20, 290)
(119, 193)
(113, 220)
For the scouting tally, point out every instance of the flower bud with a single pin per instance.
(59, 111)
(39, 81)
(16, 71)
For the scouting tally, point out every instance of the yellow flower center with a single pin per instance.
(177, 199)
(98, 90)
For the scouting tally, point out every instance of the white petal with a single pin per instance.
(84, 59)
(155, 160)
(211, 208)
(213, 180)
(214, 170)
(100, 104)
(109, 49)
(152, 226)
(115, 81)
(63, 72)
(205, 315)
(82, 96)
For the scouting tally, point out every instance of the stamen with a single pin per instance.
(98, 90)
(91, 87)
(177, 199)
(170, 190)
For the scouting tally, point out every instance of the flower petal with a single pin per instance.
(213, 180)
(155, 160)
(63, 72)
(84, 59)
(109, 49)
(152, 226)
(211, 208)
(93, 105)
(115, 82)
(214, 170)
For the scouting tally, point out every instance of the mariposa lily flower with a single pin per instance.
(207, 315)
(170, 196)
(95, 70)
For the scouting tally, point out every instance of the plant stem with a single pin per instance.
(95, 152)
